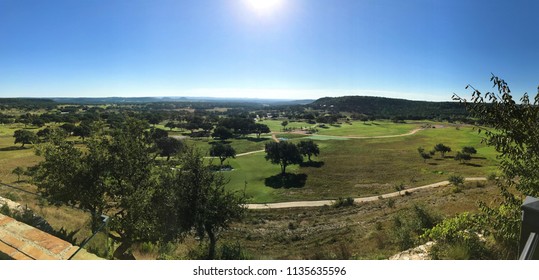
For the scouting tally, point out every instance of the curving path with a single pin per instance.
(317, 203)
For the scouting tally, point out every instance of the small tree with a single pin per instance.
(462, 157)
(399, 187)
(25, 137)
(424, 155)
(442, 149)
(283, 153)
(18, 171)
(222, 151)
(284, 124)
(469, 150)
(456, 180)
(308, 148)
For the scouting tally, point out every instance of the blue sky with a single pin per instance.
(415, 49)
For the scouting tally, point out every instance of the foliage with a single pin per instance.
(469, 150)
(442, 149)
(199, 201)
(511, 129)
(308, 148)
(343, 202)
(283, 153)
(462, 156)
(222, 133)
(169, 146)
(411, 224)
(118, 175)
(25, 137)
(458, 234)
(456, 180)
(222, 151)
(18, 171)
(424, 155)
(260, 128)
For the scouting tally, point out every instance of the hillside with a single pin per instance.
(381, 107)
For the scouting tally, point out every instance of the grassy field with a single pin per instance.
(365, 167)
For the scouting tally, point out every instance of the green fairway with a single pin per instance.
(275, 125)
(241, 145)
(376, 128)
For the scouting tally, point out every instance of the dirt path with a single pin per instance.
(274, 137)
(317, 203)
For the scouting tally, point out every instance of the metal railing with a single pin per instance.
(529, 237)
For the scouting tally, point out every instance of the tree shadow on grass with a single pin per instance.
(473, 164)
(433, 163)
(13, 148)
(215, 142)
(316, 164)
(286, 181)
(254, 139)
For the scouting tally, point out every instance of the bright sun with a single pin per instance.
(264, 6)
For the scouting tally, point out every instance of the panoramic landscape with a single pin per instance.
(266, 130)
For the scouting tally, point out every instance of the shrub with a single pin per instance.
(456, 180)
(343, 202)
(12, 196)
(457, 238)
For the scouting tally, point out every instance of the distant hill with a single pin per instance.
(27, 103)
(381, 107)
(132, 100)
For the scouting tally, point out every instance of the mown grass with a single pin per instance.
(240, 145)
(366, 167)
(375, 128)
(275, 125)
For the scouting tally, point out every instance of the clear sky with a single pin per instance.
(294, 49)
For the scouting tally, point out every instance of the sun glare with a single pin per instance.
(264, 6)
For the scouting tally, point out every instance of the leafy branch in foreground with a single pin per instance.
(512, 129)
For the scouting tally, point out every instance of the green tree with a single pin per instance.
(442, 149)
(169, 146)
(456, 180)
(222, 151)
(469, 150)
(284, 124)
(308, 148)
(199, 201)
(462, 157)
(283, 153)
(117, 175)
(510, 128)
(83, 130)
(260, 128)
(424, 155)
(18, 171)
(25, 137)
(222, 133)
(113, 177)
